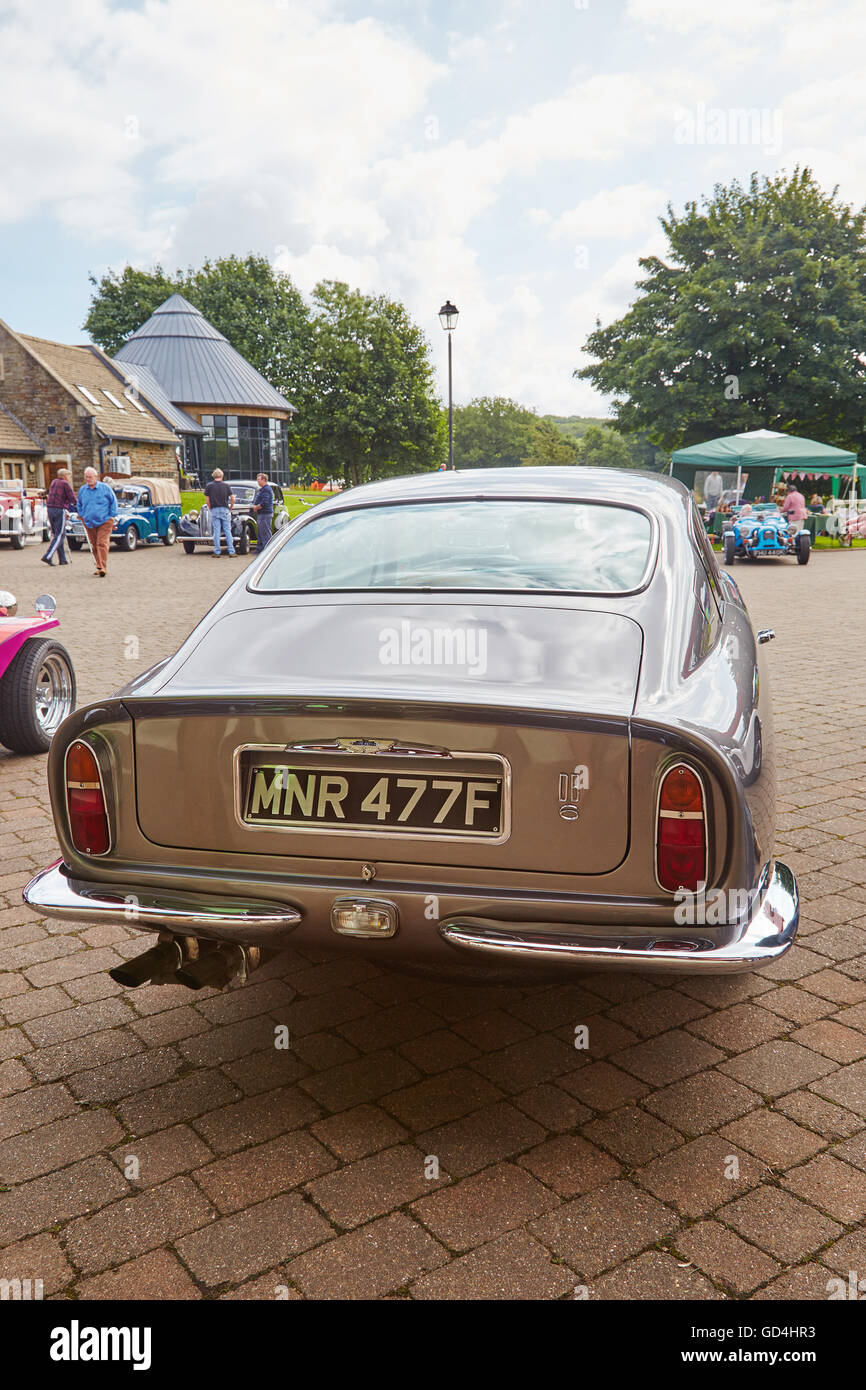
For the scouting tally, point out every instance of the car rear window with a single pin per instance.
(493, 544)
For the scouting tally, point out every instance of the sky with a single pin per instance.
(511, 155)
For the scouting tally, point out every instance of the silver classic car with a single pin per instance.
(495, 718)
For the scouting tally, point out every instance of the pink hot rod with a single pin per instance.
(37, 682)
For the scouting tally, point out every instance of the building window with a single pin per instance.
(52, 429)
(89, 394)
(244, 445)
(113, 399)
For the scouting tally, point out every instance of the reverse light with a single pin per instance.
(365, 917)
(85, 800)
(681, 830)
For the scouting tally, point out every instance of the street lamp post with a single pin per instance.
(448, 319)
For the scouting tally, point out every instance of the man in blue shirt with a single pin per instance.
(263, 506)
(97, 507)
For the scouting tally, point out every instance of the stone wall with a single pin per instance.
(150, 460)
(45, 407)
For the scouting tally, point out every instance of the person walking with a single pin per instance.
(97, 507)
(60, 500)
(220, 500)
(263, 506)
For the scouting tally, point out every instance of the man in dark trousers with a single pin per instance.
(60, 500)
(263, 506)
(221, 499)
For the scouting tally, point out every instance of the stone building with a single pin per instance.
(244, 420)
(71, 407)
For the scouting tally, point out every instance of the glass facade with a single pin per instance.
(244, 445)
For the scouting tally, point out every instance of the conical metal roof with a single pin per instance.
(194, 364)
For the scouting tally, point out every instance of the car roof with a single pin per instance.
(655, 491)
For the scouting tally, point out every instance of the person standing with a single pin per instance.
(263, 506)
(794, 507)
(713, 488)
(60, 500)
(97, 507)
(220, 500)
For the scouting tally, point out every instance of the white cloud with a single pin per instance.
(616, 212)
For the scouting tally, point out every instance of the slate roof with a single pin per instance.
(14, 438)
(85, 367)
(194, 363)
(143, 380)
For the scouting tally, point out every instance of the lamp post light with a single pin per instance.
(448, 319)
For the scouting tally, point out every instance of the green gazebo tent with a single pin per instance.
(761, 454)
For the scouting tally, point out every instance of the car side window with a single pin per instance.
(706, 556)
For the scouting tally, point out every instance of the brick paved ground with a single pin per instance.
(304, 1171)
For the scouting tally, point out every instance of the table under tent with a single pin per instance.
(749, 464)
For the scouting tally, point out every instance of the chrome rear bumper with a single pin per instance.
(55, 895)
(758, 940)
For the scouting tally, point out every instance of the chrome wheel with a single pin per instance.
(54, 693)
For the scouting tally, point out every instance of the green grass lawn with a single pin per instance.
(190, 501)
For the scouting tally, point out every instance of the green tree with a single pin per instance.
(753, 318)
(372, 408)
(496, 432)
(601, 447)
(256, 307)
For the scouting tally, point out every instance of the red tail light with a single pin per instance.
(681, 831)
(85, 800)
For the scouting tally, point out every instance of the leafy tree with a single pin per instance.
(372, 408)
(753, 318)
(601, 447)
(496, 432)
(256, 307)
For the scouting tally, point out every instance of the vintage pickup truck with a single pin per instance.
(148, 511)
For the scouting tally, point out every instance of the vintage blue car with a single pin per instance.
(753, 537)
(148, 512)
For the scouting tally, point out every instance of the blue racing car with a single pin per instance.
(751, 537)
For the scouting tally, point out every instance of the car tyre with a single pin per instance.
(804, 547)
(130, 538)
(170, 534)
(37, 692)
(74, 543)
(189, 547)
(730, 547)
(243, 542)
(17, 540)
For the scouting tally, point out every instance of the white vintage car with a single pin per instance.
(23, 516)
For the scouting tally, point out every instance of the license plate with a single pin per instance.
(446, 801)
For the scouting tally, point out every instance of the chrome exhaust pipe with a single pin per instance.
(218, 966)
(159, 962)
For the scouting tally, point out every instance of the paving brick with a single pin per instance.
(743, 1026)
(493, 1030)
(55, 1145)
(773, 1138)
(779, 1223)
(60, 1026)
(368, 1078)
(777, 1067)
(175, 1101)
(383, 1256)
(118, 1079)
(834, 1186)
(157, 1275)
(702, 1175)
(39, 1257)
(356, 1133)
(602, 1086)
(493, 1133)
(235, 1247)
(846, 1087)
(38, 1106)
(653, 1275)
(552, 1108)
(388, 1027)
(440, 1098)
(632, 1134)
(726, 1258)
(126, 1229)
(513, 1267)
(372, 1186)
(82, 1055)
(439, 1051)
(263, 1171)
(84, 1186)
(701, 1103)
(570, 1165)
(483, 1206)
(161, 1156)
(658, 1012)
(667, 1057)
(602, 1228)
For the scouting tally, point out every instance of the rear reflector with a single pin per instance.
(681, 831)
(85, 801)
